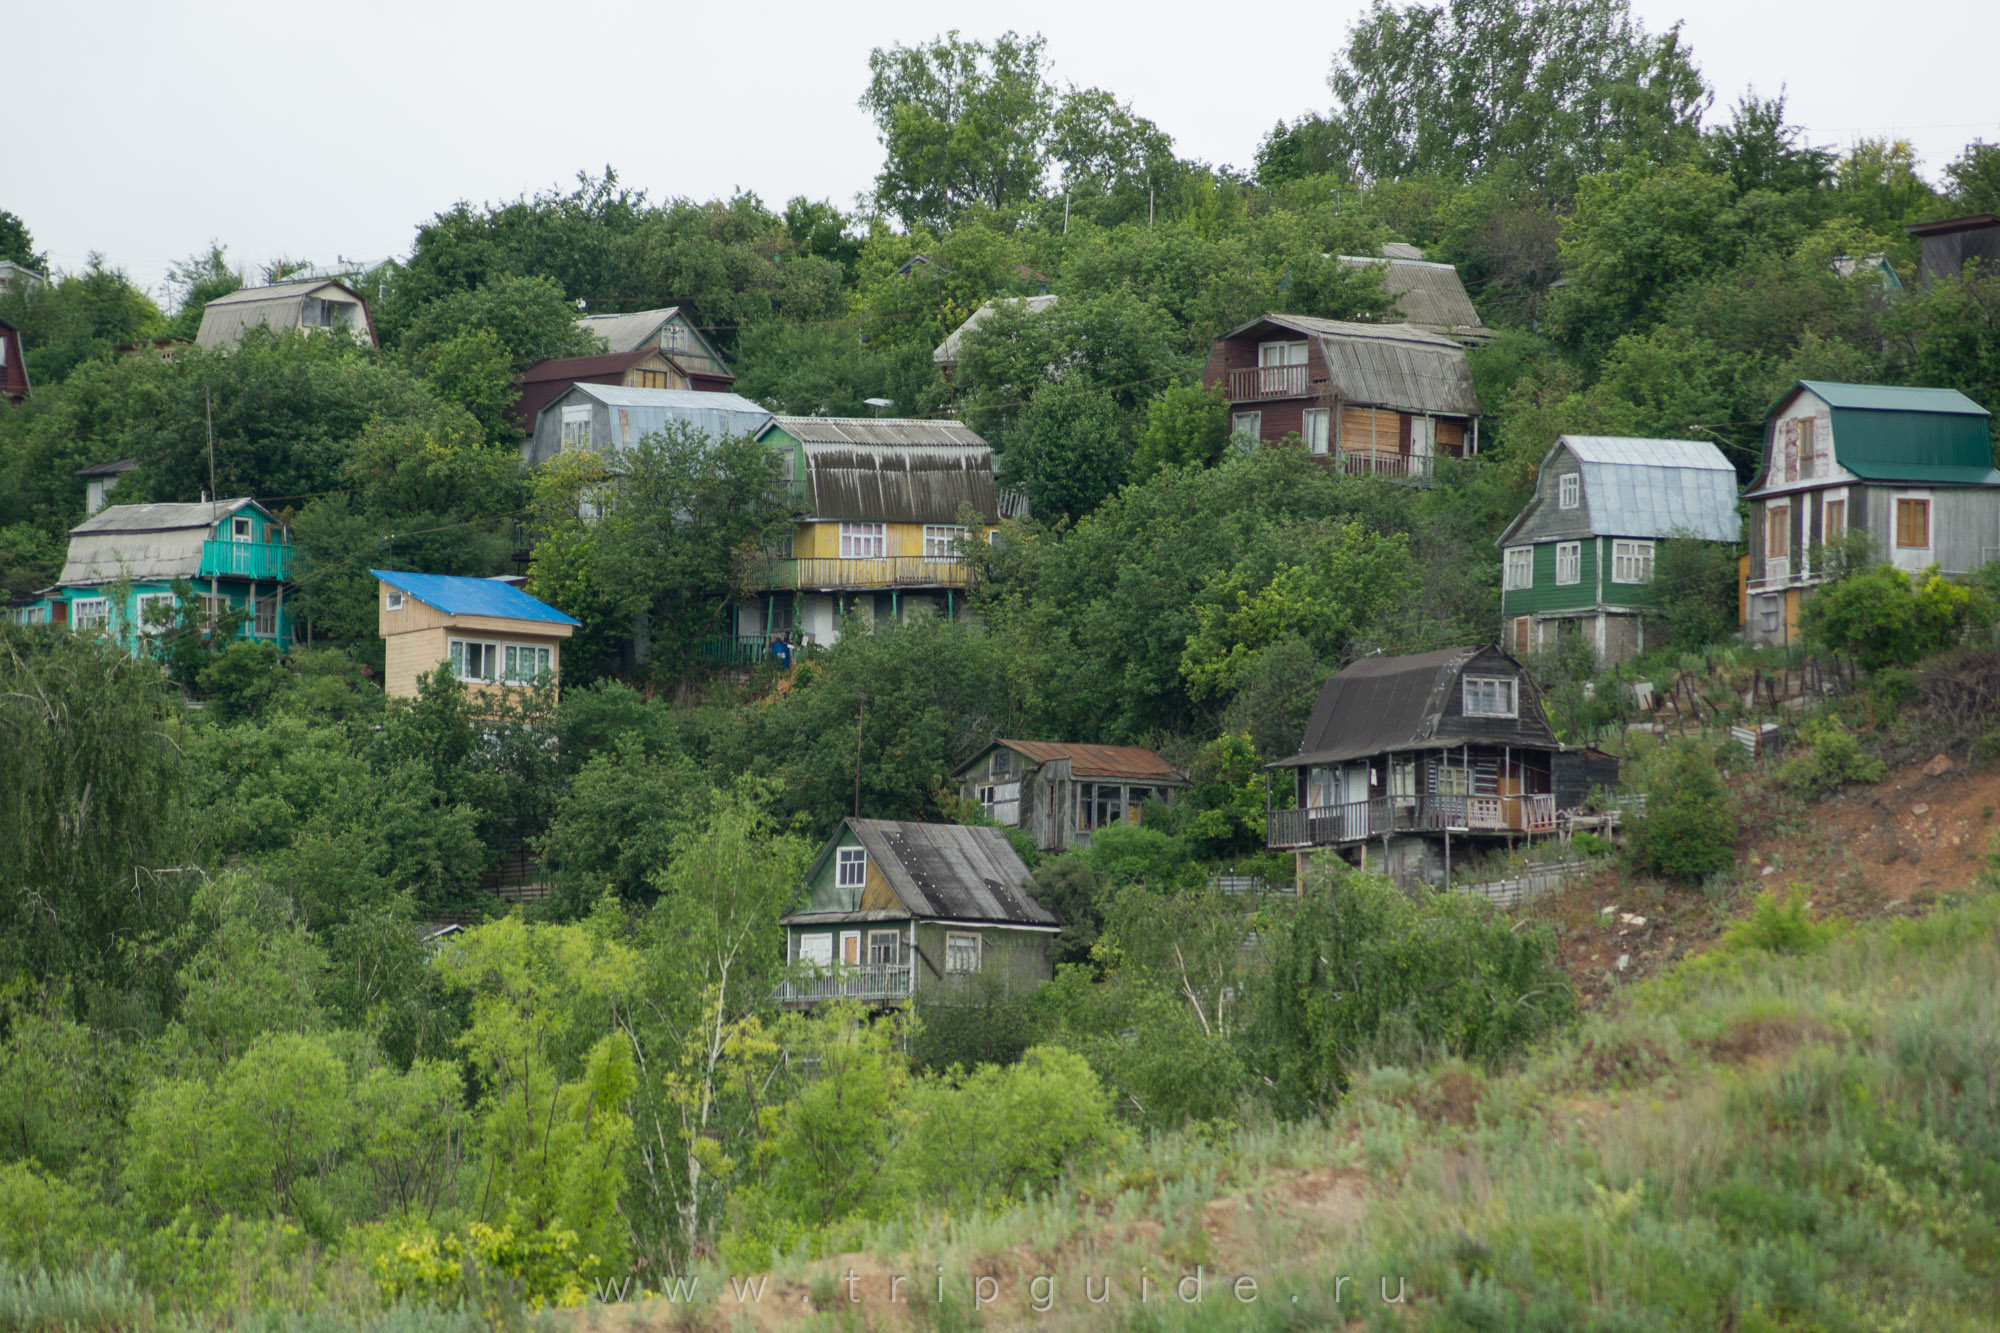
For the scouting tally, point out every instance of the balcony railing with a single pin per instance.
(1330, 825)
(731, 650)
(245, 560)
(895, 571)
(875, 982)
(1269, 382)
(1411, 467)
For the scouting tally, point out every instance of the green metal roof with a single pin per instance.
(1893, 398)
(1884, 432)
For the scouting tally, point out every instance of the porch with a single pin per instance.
(1356, 821)
(1367, 463)
(871, 983)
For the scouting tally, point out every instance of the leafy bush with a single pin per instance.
(983, 1023)
(983, 1138)
(486, 1266)
(1688, 830)
(1883, 617)
(1778, 925)
(1832, 759)
(1361, 968)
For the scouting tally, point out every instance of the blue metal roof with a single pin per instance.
(458, 596)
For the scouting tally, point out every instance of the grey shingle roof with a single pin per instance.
(950, 872)
(1387, 365)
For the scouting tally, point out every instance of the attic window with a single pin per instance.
(1489, 697)
(395, 600)
(851, 870)
(576, 426)
(1569, 491)
(1003, 763)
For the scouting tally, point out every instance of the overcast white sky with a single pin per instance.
(312, 130)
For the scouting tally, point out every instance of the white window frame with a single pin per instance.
(1569, 491)
(264, 616)
(1490, 696)
(1281, 352)
(1317, 428)
(874, 937)
(394, 601)
(864, 541)
(241, 529)
(1770, 611)
(956, 945)
(1569, 563)
(576, 426)
(850, 867)
(90, 612)
(525, 663)
(1631, 562)
(461, 651)
(144, 601)
(816, 947)
(1520, 568)
(1247, 425)
(944, 543)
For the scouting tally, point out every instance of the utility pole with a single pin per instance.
(860, 728)
(214, 496)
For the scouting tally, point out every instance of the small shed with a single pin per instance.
(892, 907)
(312, 306)
(608, 417)
(494, 635)
(1064, 792)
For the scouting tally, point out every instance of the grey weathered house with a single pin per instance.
(667, 330)
(1578, 559)
(314, 306)
(1912, 468)
(1404, 754)
(1062, 793)
(894, 907)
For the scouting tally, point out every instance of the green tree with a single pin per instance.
(1562, 89)
(1186, 426)
(30, 559)
(76, 318)
(1972, 179)
(985, 1137)
(529, 320)
(1883, 617)
(1688, 828)
(17, 243)
(962, 123)
(1068, 451)
(194, 282)
(616, 825)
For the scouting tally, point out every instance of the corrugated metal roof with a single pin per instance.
(1100, 761)
(1635, 487)
(899, 483)
(456, 595)
(145, 542)
(279, 306)
(1428, 295)
(625, 333)
(877, 431)
(1893, 398)
(1401, 250)
(649, 410)
(947, 351)
(950, 872)
(1387, 365)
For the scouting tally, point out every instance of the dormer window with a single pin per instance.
(1487, 696)
(1569, 491)
(395, 600)
(851, 869)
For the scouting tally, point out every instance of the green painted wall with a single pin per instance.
(1549, 596)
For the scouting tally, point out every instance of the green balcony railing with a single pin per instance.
(245, 560)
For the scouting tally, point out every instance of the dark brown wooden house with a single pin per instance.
(1405, 753)
(1386, 399)
(13, 365)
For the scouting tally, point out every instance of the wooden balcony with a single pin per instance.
(875, 983)
(1247, 386)
(1405, 467)
(820, 573)
(1333, 825)
(245, 560)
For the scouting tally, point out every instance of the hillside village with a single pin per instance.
(1420, 709)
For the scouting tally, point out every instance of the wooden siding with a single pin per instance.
(1547, 594)
(409, 655)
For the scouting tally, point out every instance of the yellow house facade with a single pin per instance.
(495, 636)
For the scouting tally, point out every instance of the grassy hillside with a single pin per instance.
(1796, 1129)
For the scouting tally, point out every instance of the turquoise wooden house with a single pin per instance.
(894, 907)
(124, 561)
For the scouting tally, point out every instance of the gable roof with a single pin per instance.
(1385, 365)
(1892, 432)
(627, 332)
(1379, 704)
(899, 483)
(280, 306)
(456, 595)
(1092, 761)
(869, 431)
(145, 542)
(580, 367)
(1428, 295)
(947, 872)
(1646, 488)
(948, 350)
(648, 410)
